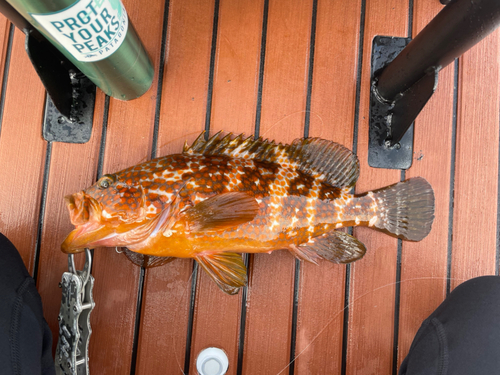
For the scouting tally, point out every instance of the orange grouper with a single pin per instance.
(226, 196)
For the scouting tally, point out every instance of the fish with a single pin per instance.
(227, 195)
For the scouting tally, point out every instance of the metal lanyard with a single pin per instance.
(72, 356)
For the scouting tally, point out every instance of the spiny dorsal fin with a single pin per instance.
(326, 160)
(226, 269)
(221, 212)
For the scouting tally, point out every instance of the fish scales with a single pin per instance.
(229, 195)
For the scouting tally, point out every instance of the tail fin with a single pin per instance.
(406, 209)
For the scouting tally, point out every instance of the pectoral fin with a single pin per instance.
(226, 269)
(221, 212)
(334, 246)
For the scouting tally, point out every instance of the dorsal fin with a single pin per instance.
(325, 160)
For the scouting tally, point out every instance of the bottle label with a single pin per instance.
(90, 30)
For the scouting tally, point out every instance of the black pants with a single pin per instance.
(25, 338)
(462, 337)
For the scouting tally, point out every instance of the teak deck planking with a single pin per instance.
(373, 279)
(424, 264)
(320, 317)
(475, 223)
(282, 70)
(182, 117)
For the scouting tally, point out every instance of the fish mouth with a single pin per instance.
(82, 208)
(94, 230)
(90, 235)
(85, 214)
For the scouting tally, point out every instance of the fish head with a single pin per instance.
(104, 213)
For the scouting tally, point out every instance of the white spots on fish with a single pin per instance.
(238, 149)
(357, 221)
(259, 201)
(274, 205)
(197, 199)
(274, 225)
(339, 225)
(315, 189)
(169, 232)
(372, 221)
(234, 181)
(294, 220)
(374, 205)
(311, 214)
(106, 214)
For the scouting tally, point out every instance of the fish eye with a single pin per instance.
(105, 181)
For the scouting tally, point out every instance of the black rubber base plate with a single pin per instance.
(380, 153)
(78, 128)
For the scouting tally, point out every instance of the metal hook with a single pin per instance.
(85, 273)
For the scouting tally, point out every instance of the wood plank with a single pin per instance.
(73, 167)
(22, 173)
(184, 99)
(270, 295)
(217, 317)
(424, 264)
(371, 310)
(128, 142)
(475, 214)
(237, 66)
(321, 303)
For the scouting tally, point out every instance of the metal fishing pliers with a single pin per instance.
(72, 357)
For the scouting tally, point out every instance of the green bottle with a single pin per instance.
(97, 37)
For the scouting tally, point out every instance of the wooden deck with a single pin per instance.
(282, 69)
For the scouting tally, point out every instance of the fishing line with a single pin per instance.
(352, 303)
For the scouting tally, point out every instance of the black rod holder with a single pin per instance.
(458, 27)
(69, 106)
(400, 88)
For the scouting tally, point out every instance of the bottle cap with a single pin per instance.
(212, 361)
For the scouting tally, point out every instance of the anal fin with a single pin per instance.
(226, 269)
(221, 212)
(334, 246)
(146, 261)
(304, 253)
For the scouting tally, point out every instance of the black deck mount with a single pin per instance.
(69, 106)
(404, 75)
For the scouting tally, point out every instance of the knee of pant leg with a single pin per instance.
(483, 290)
